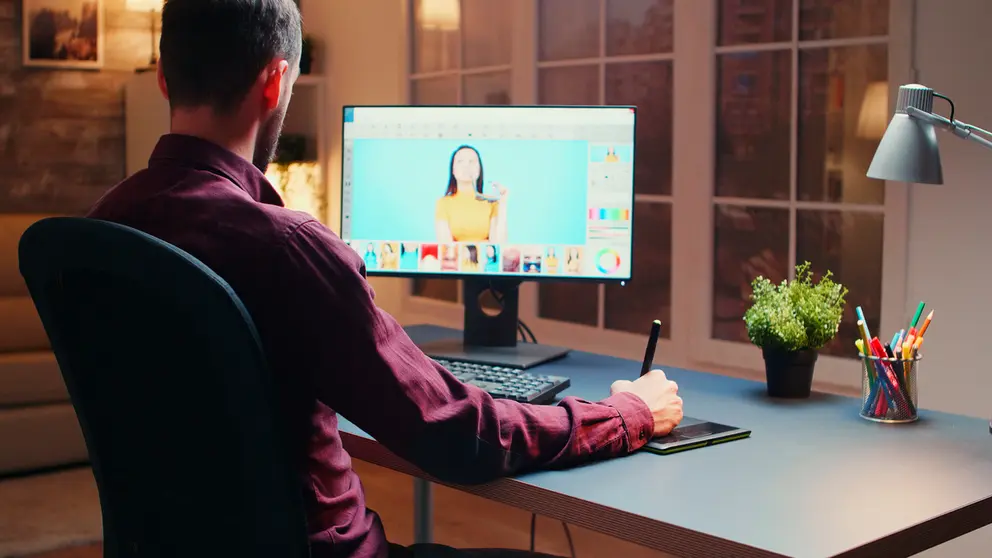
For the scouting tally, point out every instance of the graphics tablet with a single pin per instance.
(694, 433)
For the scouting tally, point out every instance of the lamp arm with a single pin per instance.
(956, 127)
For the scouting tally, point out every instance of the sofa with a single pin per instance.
(38, 426)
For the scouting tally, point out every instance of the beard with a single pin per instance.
(268, 140)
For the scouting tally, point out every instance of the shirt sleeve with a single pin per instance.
(364, 366)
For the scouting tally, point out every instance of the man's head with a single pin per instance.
(235, 59)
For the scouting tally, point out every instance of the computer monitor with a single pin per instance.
(491, 195)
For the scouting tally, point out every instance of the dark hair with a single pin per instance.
(214, 50)
(473, 254)
(452, 183)
(495, 253)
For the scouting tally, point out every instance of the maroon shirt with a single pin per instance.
(333, 351)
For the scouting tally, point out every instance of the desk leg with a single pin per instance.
(423, 511)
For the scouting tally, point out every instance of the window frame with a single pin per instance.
(694, 59)
(832, 370)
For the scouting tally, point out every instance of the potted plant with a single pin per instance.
(790, 322)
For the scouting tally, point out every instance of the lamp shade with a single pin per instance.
(909, 151)
(144, 5)
(441, 15)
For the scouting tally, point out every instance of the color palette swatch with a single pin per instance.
(608, 261)
(609, 214)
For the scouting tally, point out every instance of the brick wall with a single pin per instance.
(62, 131)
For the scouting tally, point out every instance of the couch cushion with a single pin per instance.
(12, 226)
(30, 379)
(20, 328)
(38, 437)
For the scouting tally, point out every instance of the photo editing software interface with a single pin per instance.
(498, 192)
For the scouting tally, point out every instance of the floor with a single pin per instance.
(461, 520)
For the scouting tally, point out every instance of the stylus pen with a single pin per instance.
(652, 345)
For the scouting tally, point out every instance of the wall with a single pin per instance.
(361, 48)
(950, 228)
(949, 264)
(62, 131)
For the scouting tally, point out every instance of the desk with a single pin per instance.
(806, 484)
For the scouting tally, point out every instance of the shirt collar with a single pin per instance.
(199, 153)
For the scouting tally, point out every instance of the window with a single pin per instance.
(593, 52)
(460, 56)
(790, 182)
(751, 155)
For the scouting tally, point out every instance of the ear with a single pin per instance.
(272, 90)
(162, 87)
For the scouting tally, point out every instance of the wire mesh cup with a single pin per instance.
(888, 388)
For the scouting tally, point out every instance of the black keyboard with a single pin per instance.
(508, 383)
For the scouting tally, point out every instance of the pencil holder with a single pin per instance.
(888, 389)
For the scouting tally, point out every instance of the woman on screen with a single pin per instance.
(390, 259)
(492, 259)
(611, 155)
(470, 258)
(572, 261)
(465, 213)
(371, 259)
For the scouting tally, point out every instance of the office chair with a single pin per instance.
(170, 385)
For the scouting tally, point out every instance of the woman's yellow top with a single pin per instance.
(551, 264)
(468, 218)
(390, 260)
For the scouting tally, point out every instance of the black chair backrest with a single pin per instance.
(172, 392)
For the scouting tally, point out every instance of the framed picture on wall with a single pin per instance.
(63, 33)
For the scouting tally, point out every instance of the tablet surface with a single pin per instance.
(694, 433)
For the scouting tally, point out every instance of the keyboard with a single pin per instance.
(508, 383)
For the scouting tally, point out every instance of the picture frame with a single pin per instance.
(67, 34)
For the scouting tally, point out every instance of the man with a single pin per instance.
(228, 68)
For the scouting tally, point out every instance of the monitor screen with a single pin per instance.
(495, 191)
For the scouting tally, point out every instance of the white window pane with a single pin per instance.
(648, 86)
(488, 29)
(748, 242)
(841, 19)
(648, 296)
(753, 128)
(435, 35)
(843, 111)
(569, 85)
(434, 91)
(568, 29)
(754, 21)
(850, 245)
(639, 27)
(487, 89)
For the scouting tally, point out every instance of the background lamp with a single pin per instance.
(152, 7)
(874, 115)
(442, 15)
(909, 151)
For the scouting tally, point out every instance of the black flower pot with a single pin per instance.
(789, 374)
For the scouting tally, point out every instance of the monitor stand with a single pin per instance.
(490, 336)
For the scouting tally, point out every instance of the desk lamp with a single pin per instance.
(908, 151)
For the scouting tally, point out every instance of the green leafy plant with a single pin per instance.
(795, 315)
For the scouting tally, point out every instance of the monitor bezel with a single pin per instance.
(520, 277)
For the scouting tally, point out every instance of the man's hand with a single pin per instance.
(661, 396)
